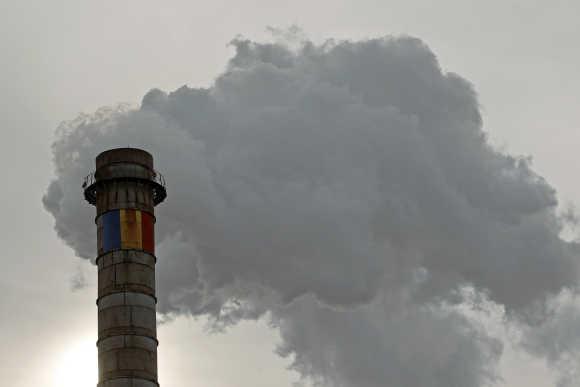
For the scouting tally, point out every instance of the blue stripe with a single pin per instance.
(111, 231)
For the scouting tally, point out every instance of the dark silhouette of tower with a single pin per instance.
(125, 189)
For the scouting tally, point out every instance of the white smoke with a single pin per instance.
(557, 338)
(345, 190)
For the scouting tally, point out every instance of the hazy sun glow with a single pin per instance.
(77, 366)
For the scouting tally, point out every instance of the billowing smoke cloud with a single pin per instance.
(348, 192)
(557, 338)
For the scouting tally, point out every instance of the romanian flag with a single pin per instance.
(125, 229)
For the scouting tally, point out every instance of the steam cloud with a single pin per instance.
(347, 192)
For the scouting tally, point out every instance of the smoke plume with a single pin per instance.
(347, 192)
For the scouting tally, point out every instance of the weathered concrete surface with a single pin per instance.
(127, 343)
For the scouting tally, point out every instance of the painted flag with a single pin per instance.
(126, 229)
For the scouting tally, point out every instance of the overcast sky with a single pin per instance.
(63, 58)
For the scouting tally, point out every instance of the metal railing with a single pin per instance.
(91, 179)
(155, 179)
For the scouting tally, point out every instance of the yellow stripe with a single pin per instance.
(131, 229)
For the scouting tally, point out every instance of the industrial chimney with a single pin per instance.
(125, 189)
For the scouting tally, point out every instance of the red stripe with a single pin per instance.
(147, 232)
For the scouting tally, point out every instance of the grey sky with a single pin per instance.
(65, 57)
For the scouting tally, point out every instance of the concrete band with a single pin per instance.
(128, 363)
(131, 375)
(126, 288)
(122, 256)
(127, 319)
(127, 341)
(126, 298)
(127, 313)
(125, 382)
(110, 285)
(120, 331)
(126, 271)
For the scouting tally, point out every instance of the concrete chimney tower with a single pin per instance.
(125, 189)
